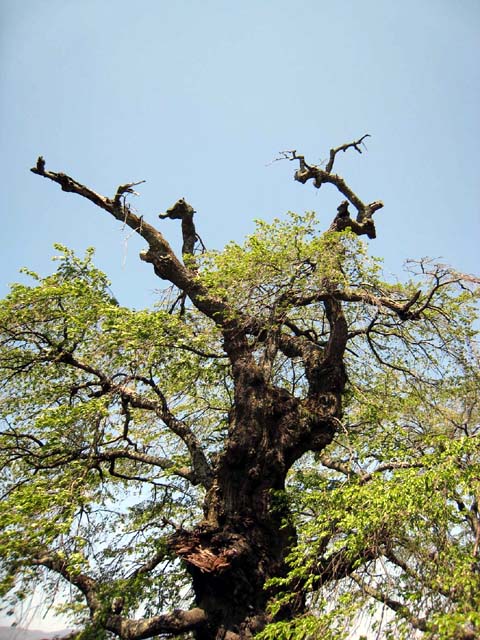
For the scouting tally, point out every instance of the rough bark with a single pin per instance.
(244, 536)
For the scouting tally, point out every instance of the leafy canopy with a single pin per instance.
(94, 486)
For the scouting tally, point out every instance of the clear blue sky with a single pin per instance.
(198, 96)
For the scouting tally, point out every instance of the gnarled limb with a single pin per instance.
(363, 225)
(178, 621)
(162, 257)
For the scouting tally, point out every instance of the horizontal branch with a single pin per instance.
(177, 621)
(362, 477)
(38, 460)
(163, 463)
(402, 309)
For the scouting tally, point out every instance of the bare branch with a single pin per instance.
(363, 225)
(349, 145)
(165, 263)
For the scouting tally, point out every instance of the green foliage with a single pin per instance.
(100, 486)
(283, 259)
(58, 430)
(396, 497)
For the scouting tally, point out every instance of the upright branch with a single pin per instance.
(183, 211)
(356, 144)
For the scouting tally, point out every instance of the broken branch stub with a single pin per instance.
(183, 211)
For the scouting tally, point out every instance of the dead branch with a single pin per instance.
(363, 225)
(355, 145)
(159, 253)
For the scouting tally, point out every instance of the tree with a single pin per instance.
(285, 439)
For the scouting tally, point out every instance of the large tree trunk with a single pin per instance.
(246, 535)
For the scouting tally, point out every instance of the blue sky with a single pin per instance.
(197, 97)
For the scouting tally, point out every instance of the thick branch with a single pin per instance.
(165, 263)
(116, 207)
(365, 226)
(176, 622)
(337, 340)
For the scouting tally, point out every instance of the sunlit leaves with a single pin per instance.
(396, 498)
(100, 405)
(282, 260)
(67, 350)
